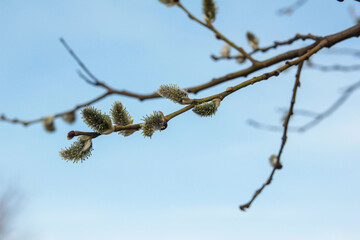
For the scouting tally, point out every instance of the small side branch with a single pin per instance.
(217, 34)
(283, 139)
(274, 45)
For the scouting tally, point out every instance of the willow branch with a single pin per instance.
(326, 41)
(283, 139)
(251, 81)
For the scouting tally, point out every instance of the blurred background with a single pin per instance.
(188, 181)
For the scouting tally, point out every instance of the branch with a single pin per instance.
(283, 139)
(265, 76)
(326, 41)
(343, 51)
(335, 67)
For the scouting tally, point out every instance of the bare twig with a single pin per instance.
(332, 108)
(217, 33)
(94, 79)
(292, 8)
(283, 139)
(274, 45)
(336, 67)
(343, 51)
(300, 112)
(317, 117)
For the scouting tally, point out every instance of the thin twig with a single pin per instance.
(283, 139)
(274, 45)
(336, 67)
(94, 80)
(217, 33)
(292, 8)
(343, 51)
(332, 108)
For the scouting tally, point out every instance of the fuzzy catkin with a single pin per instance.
(207, 109)
(172, 92)
(209, 10)
(168, 3)
(97, 121)
(153, 123)
(80, 150)
(120, 115)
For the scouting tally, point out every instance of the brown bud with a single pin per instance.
(70, 135)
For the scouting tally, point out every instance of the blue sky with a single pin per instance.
(188, 181)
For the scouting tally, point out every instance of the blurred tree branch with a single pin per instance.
(317, 117)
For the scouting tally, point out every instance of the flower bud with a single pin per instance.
(48, 123)
(69, 117)
(225, 51)
(252, 40)
(240, 58)
(274, 161)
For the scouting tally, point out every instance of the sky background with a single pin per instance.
(188, 181)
